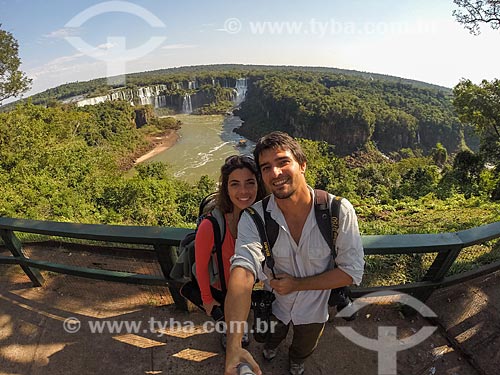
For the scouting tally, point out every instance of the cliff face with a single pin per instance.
(346, 137)
(347, 121)
(262, 114)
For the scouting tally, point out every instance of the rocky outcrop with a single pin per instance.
(143, 116)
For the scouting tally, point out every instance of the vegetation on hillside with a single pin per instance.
(63, 163)
(176, 80)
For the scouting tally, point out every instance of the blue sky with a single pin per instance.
(417, 39)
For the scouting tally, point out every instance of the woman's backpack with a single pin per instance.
(184, 270)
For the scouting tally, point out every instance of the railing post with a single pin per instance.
(436, 273)
(167, 256)
(444, 260)
(16, 248)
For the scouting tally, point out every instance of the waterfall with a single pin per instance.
(155, 95)
(241, 90)
(93, 101)
(186, 104)
(160, 101)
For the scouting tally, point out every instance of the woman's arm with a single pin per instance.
(204, 243)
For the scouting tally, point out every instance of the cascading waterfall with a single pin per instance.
(161, 101)
(155, 95)
(192, 85)
(187, 107)
(93, 101)
(241, 90)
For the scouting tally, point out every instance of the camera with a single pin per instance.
(217, 313)
(262, 302)
(340, 298)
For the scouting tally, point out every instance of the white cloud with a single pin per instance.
(47, 76)
(63, 33)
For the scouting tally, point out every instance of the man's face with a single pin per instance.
(281, 173)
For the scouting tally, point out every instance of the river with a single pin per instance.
(205, 142)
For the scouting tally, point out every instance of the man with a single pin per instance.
(303, 266)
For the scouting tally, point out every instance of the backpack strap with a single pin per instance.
(221, 221)
(327, 217)
(323, 216)
(207, 205)
(219, 227)
(266, 246)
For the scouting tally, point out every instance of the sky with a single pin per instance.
(62, 41)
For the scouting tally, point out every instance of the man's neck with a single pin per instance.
(296, 203)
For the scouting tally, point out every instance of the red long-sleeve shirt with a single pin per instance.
(204, 244)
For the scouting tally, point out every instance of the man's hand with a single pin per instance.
(236, 356)
(284, 284)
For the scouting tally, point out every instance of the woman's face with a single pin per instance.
(242, 188)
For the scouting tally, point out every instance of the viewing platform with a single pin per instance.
(102, 309)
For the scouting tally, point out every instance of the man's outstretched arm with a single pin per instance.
(236, 309)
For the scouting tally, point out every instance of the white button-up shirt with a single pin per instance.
(312, 256)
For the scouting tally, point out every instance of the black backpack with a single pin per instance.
(184, 270)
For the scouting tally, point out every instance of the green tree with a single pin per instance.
(439, 155)
(467, 169)
(479, 106)
(417, 182)
(472, 13)
(12, 81)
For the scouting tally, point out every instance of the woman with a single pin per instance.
(239, 188)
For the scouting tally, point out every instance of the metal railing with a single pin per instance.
(165, 242)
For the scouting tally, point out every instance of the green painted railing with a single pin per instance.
(165, 242)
